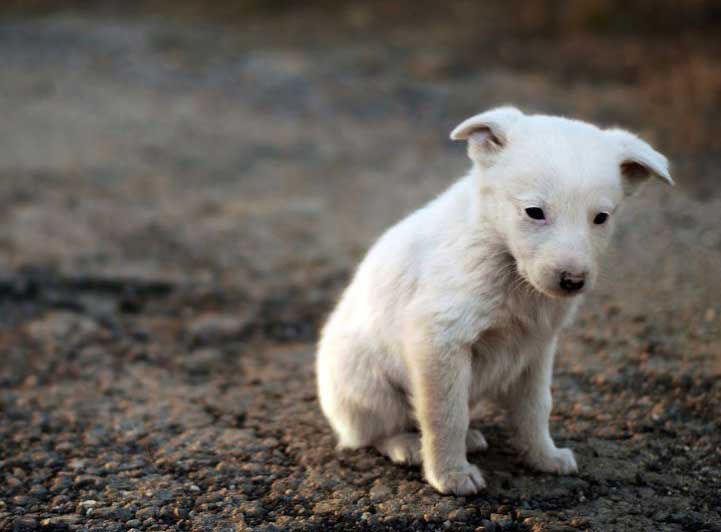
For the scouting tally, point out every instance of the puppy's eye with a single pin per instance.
(600, 218)
(536, 213)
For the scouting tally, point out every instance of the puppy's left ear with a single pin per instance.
(638, 161)
(487, 133)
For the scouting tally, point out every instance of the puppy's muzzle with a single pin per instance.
(572, 282)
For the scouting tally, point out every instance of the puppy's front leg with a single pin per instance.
(529, 403)
(441, 382)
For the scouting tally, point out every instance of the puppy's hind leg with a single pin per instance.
(402, 448)
(356, 425)
(475, 442)
(362, 406)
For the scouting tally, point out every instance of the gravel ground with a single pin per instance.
(183, 197)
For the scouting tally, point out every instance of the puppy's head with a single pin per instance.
(551, 186)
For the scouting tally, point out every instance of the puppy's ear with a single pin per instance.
(638, 161)
(486, 132)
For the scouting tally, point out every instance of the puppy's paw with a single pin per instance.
(475, 442)
(559, 461)
(465, 480)
(403, 448)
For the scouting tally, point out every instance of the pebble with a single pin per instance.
(500, 518)
(61, 520)
(202, 360)
(710, 315)
(88, 504)
(488, 526)
(325, 507)
(460, 514)
(25, 524)
(379, 491)
(38, 490)
(553, 527)
(148, 512)
(216, 327)
(61, 483)
(82, 481)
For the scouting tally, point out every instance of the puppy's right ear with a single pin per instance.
(486, 132)
(638, 161)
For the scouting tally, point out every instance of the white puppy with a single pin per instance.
(463, 300)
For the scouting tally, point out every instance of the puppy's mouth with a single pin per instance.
(558, 293)
(561, 294)
(524, 280)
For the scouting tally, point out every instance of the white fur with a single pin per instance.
(460, 302)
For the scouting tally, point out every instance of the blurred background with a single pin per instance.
(186, 186)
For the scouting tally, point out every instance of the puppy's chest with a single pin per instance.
(514, 341)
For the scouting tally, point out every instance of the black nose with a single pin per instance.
(571, 282)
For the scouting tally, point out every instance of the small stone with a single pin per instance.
(25, 524)
(112, 526)
(489, 526)
(524, 513)
(38, 490)
(579, 523)
(148, 512)
(88, 504)
(324, 507)
(379, 491)
(61, 483)
(679, 517)
(62, 325)
(560, 528)
(61, 520)
(217, 327)
(101, 513)
(87, 480)
(500, 519)
(710, 315)
(459, 514)
(30, 381)
(203, 360)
